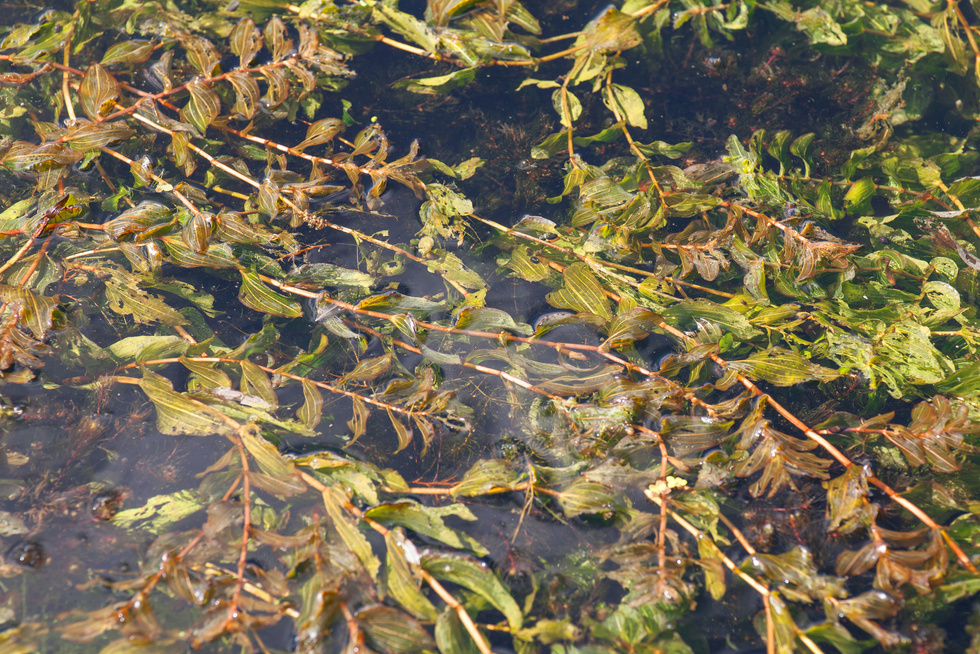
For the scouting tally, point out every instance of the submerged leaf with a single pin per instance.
(256, 295)
(177, 414)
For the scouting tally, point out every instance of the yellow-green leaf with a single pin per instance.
(128, 53)
(98, 92)
(247, 93)
(403, 431)
(202, 107)
(335, 502)
(312, 410)
(582, 292)
(256, 295)
(177, 414)
(627, 102)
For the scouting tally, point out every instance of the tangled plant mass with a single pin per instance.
(525, 383)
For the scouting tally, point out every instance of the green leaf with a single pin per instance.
(245, 41)
(631, 326)
(487, 319)
(859, 192)
(178, 415)
(201, 53)
(801, 147)
(393, 631)
(438, 85)
(402, 580)
(567, 106)
(487, 476)
(584, 496)
(136, 349)
(23, 157)
(97, 135)
(205, 374)
(451, 635)
(327, 274)
(447, 201)
(453, 269)
(779, 149)
(661, 149)
(476, 577)
(611, 31)
(36, 310)
(125, 297)
(627, 102)
(428, 521)
(407, 25)
(370, 368)
(782, 367)
(320, 132)
(128, 53)
(847, 506)
(710, 558)
(256, 295)
(724, 317)
(838, 636)
(265, 453)
(98, 92)
(312, 410)
(247, 93)
(402, 431)
(160, 512)
(202, 107)
(825, 204)
(581, 292)
(394, 302)
(256, 382)
(820, 27)
(335, 501)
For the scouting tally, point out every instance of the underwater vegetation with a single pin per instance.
(488, 326)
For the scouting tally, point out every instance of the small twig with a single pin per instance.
(69, 107)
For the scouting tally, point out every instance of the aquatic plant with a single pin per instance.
(736, 365)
